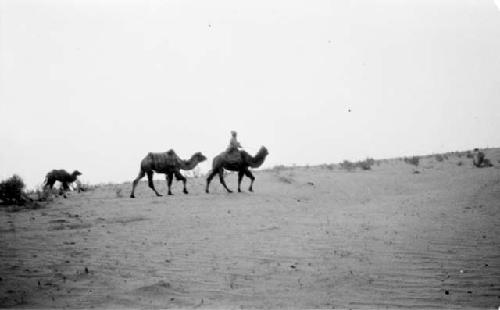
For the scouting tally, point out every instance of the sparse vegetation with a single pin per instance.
(439, 157)
(87, 187)
(487, 163)
(347, 165)
(414, 160)
(366, 164)
(328, 166)
(11, 191)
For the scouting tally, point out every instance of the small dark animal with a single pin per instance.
(62, 176)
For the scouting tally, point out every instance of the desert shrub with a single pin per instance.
(45, 194)
(469, 154)
(439, 157)
(487, 163)
(328, 166)
(347, 165)
(87, 187)
(460, 163)
(365, 164)
(414, 160)
(11, 190)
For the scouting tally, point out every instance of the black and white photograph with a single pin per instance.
(264, 154)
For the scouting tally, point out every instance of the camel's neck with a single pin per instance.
(189, 164)
(257, 161)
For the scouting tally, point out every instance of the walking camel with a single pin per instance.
(62, 176)
(239, 161)
(168, 163)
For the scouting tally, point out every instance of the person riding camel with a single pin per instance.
(234, 145)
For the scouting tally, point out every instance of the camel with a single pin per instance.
(239, 161)
(168, 163)
(62, 176)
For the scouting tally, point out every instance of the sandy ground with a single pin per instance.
(306, 238)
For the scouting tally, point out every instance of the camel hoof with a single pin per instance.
(206, 191)
(170, 194)
(186, 192)
(159, 195)
(229, 191)
(132, 196)
(239, 190)
(250, 190)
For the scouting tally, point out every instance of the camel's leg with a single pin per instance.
(151, 184)
(241, 173)
(209, 179)
(136, 180)
(221, 178)
(180, 177)
(170, 177)
(65, 188)
(50, 184)
(249, 174)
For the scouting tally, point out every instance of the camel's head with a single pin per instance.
(76, 173)
(263, 151)
(199, 157)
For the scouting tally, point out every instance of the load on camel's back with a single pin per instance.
(62, 176)
(479, 160)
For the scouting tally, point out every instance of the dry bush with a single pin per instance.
(414, 160)
(11, 190)
(487, 163)
(439, 157)
(365, 164)
(46, 194)
(347, 165)
(86, 187)
(327, 166)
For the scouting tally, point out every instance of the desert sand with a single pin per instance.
(307, 237)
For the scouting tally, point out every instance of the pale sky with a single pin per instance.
(96, 85)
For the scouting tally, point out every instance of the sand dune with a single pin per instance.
(306, 238)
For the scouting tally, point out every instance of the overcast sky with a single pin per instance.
(96, 85)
